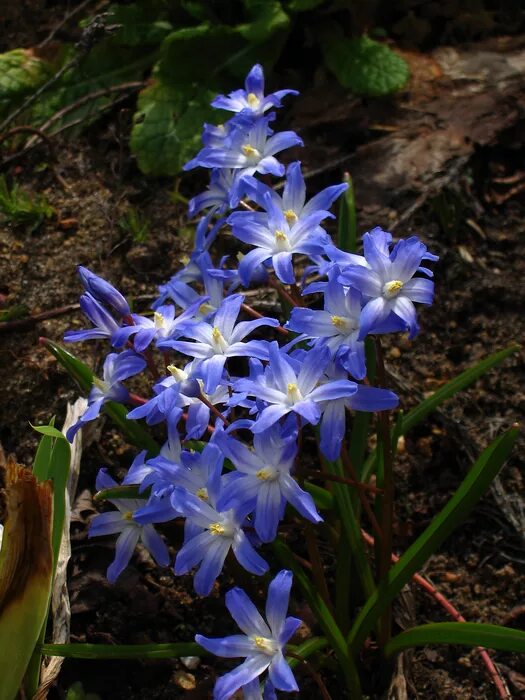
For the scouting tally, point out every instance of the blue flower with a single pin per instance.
(389, 283)
(289, 386)
(162, 326)
(209, 534)
(261, 643)
(293, 202)
(215, 342)
(103, 291)
(337, 326)
(248, 149)
(333, 420)
(116, 368)
(223, 184)
(276, 238)
(130, 532)
(263, 481)
(105, 324)
(251, 99)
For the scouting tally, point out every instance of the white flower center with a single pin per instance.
(100, 384)
(267, 474)
(293, 394)
(265, 645)
(290, 216)
(202, 493)
(178, 374)
(251, 152)
(218, 343)
(223, 529)
(252, 100)
(391, 289)
(282, 244)
(159, 320)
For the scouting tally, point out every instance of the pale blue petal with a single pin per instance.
(245, 614)
(124, 548)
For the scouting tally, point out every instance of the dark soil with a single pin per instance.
(475, 225)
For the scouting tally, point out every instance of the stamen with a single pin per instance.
(216, 334)
(217, 529)
(266, 474)
(205, 308)
(250, 151)
(128, 515)
(267, 646)
(392, 288)
(290, 216)
(338, 322)
(252, 99)
(159, 320)
(280, 235)
(202, 494)
(177, 373)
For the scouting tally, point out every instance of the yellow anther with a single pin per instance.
(291, 388)
(280, 235)
(217, 529)
(290, 216)
(263, 474)
(159, 320)
(202, 494)
(216, 334)
(185, 260)
(338, 321)
(205, 308)
(391, 289)
(252, 99)
(249, 151)
(128, 515)
(264, 644)
(177, 373)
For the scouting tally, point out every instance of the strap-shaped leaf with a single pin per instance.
(123, 651)
(453, 514)
(472, 634)
(132, 430)
(347, 227)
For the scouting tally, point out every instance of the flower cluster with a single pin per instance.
(222, 380)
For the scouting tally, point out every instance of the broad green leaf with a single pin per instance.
(48, 430)
(323, 616)
(472, 634)
(21, 73)
(141, 23)
(453, 514)
(167, 127)
(267, 17)
(123, 651)
(132, 430)
(365, 66)
(347, 226)
(196, 55)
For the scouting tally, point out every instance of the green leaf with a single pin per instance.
(306, 649)
(365, 66)
(323, 616)
(267, 18)
(133, 430)
(21, 73)
(131, 491)
(302, 5)
(14, 312)
(323, 498)
(470, 634)
(447, 391)
(141, 24)
(462, 381)
(347, 227)
(453, 514)
(48, 430)
(196, 54)
(123, 651)
(167, 127)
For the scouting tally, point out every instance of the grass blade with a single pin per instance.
(453, 514)
(347, 229)
(472, 634)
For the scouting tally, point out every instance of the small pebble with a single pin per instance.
(184, 680)
(191, 662)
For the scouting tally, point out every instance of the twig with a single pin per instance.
(213, 409)
(423, 583)
(66, 19)
(256, 314)
(341, 480)
(22, 323)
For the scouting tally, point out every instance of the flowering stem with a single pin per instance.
(349, 468)
(282, 292)
(256, 314)
(213, 409)
(387, 502)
